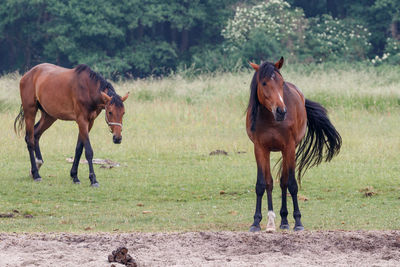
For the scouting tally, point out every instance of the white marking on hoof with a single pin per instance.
(39, 163)
(271, 221)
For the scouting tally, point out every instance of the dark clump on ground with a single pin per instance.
(6, 215)
(218, 152)
(121, 255)
(368, 191)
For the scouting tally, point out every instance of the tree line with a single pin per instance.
(138, 38)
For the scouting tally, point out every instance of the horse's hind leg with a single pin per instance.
(284, 186)
(44, 123)
(30, 114)
(288, 180)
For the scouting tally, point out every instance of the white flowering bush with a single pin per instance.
(273, 28)
(273, 21)
(330, 38)
(391, 54)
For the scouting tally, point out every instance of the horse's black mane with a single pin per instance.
(104, 84)
(266, 69)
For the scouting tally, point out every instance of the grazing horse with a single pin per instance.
(78, 94)
(278, 118)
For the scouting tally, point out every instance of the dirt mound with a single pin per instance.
(308, 248)
(121, 255)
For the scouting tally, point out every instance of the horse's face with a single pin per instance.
(270, 91)
(115, 111)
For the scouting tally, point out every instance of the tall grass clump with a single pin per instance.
(9, 91)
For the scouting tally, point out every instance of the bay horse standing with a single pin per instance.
(278, 118)
(78, 94)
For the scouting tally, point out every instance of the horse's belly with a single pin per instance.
(56, 103)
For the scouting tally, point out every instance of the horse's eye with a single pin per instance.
(264, 83)
(109, 113)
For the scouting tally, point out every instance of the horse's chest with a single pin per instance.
(273, 139)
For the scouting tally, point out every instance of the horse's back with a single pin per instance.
(40, 71)
(297, 114)
(297, 90)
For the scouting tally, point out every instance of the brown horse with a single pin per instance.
(78, 94)
(278, 117)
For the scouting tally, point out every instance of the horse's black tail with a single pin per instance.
(19, 121)
(322, 141)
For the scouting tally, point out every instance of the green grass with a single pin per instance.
(172, 125)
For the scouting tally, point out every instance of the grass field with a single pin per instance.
(171, 126)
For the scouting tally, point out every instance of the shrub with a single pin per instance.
(270, 29)
(333, 39)
(391, 54)
(265, 30)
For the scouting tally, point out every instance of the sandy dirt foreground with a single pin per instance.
(327, 248)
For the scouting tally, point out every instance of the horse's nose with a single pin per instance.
(280, 114)
(117, 140)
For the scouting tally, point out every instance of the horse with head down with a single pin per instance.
(78, 94)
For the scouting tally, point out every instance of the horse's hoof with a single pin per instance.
(284, 227)
(77, 182)
(270, 230)
(255, 228)
(95, 185)
(298, 228)
(39, 179)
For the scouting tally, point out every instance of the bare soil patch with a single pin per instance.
(308, 248)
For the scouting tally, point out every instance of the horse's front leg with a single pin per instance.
(77, 157)
(84, 128)
(264, 181)
(89, 158)
(270, 186)
(260, 189)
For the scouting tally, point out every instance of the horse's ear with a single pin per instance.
(125, 97)
(254, 66)
(279, 64)
(106, 98)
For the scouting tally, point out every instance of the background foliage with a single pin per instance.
(133, 38)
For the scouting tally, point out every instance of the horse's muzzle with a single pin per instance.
(280, 114)
(117, 140)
